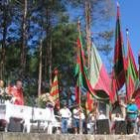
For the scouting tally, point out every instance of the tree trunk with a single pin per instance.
(88, 32)
(50, 62)
(45, 61)
(23, 47)
(40, 69)
(48, 56)
(2, 64)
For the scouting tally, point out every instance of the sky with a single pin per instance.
(130, 18)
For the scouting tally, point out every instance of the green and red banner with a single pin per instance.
(119, 56)
(89, 102)
(99, 78)
(132, 72)
(96, 84)
(77, 92)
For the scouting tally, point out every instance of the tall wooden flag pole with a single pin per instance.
(78, 51)
(88, 32)
(126, 86)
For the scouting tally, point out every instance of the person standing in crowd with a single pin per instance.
(2, 91)
(101, 115)
(1, 87)
(77, 113)
(9, 88)
(49, 101)
(138, 124)
(92, 123)
(50, 105)
(17, 93)
(65, 114)
(116, 119)
(131, 116)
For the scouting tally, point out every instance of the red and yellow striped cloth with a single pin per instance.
(54, 92)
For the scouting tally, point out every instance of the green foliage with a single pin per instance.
(51, 21)
(65, 46)
(63, 51)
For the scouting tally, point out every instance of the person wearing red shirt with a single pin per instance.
(17, 93)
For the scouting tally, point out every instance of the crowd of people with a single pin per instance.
(74, 120)
(77, 120)
(80, 122)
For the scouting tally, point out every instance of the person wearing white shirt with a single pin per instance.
(101, 116)
(65, 115)
(92, 122)
(77, 113)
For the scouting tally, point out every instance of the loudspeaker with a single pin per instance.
(15, 125)
(103, 126)
(120, 127)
